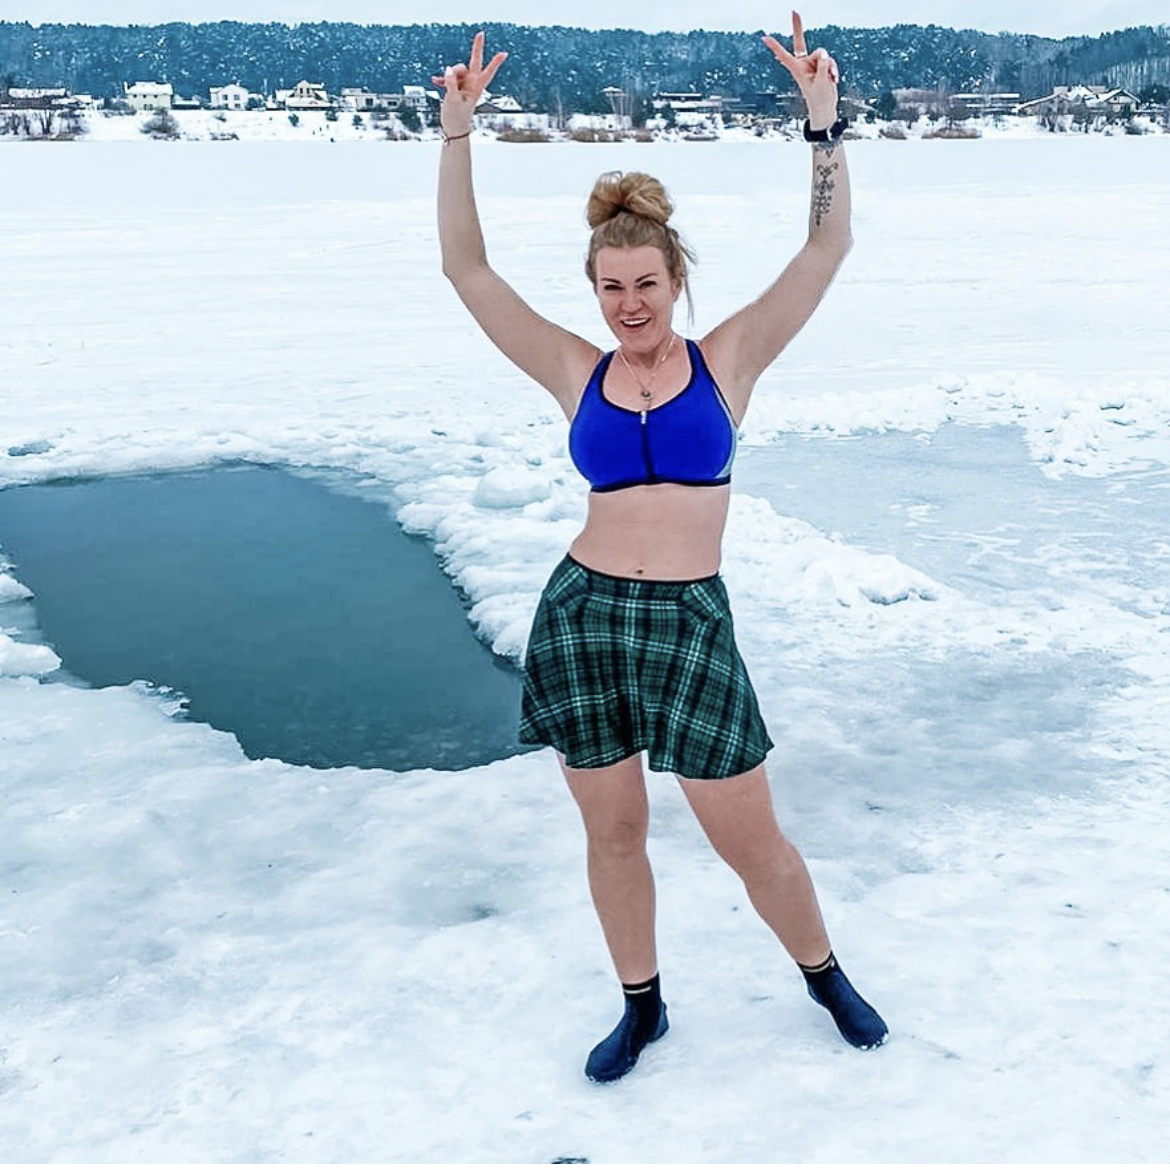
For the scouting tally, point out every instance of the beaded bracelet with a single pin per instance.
(454, 137)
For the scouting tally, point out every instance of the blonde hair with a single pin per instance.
(631, 210)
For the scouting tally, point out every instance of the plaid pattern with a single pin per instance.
(615, 666)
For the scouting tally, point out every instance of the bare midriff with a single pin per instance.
(654, 531)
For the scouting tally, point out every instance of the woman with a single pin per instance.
(632, 646)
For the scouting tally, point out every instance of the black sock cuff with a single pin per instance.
(829, 964)
(645, 987)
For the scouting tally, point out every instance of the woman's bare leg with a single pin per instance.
(737, 815)
(616, 813)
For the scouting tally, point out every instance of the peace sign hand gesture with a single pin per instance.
(465, 85)
(815, 73)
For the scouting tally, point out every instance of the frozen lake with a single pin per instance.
(947, 559)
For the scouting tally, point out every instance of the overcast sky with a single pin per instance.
(1054, 18)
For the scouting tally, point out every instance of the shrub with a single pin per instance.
(892, 132)
(516, 134)
(162, 124)
(590, 134)
(952, 132)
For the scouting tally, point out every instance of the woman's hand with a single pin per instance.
(815, 73)
(465, 85)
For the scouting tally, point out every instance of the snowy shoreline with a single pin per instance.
(313, 126)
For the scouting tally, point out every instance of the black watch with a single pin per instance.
(832, 134)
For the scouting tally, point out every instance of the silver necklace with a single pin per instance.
(648, 390)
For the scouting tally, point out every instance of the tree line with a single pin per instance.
(564, 69)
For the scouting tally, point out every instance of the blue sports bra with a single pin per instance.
(689, 439)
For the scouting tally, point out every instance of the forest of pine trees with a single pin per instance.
(97, 59)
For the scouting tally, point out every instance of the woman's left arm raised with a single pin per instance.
(744, 345)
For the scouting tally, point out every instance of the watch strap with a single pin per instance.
(832, 134)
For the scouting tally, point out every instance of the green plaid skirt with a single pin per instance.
(615, 666)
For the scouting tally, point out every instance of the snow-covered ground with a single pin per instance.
(313, 126)
(211, 958)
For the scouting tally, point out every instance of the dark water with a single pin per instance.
(299, 618)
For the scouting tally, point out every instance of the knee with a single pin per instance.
(617, 840)
(771, 857)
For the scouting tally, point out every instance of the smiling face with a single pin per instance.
(636, 295)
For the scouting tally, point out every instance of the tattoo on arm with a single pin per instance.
(823, 191)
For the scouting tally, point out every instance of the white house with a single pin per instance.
(1097, 98)
(506, 113)
(419, 98)
(305, 95)
(229, 97)
(45, 97)
(358, 99)
(364, 99)
(975, 104)
(149, 95)
(1120, 101)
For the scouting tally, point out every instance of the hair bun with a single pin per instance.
(631, 191)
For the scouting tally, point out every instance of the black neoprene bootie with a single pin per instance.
(856, 1020)
(643, 1022)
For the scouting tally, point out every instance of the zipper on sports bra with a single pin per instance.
(646, 449)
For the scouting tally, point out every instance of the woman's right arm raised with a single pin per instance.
(557, 359)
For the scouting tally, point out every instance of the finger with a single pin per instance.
(476, 61)
(798, 45)
(492, 66)
(782, 54)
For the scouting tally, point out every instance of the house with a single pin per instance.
(612, 122)
(305, 95)
(149, 95)
(1095, 99)
(230, 97)
(422, 100)
(691, 110)
(762, 103)
(1120, 101)
(976, 105)
(32, 98)
(364, 99)
(688, 103)
(506, 113)
(358, 99)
